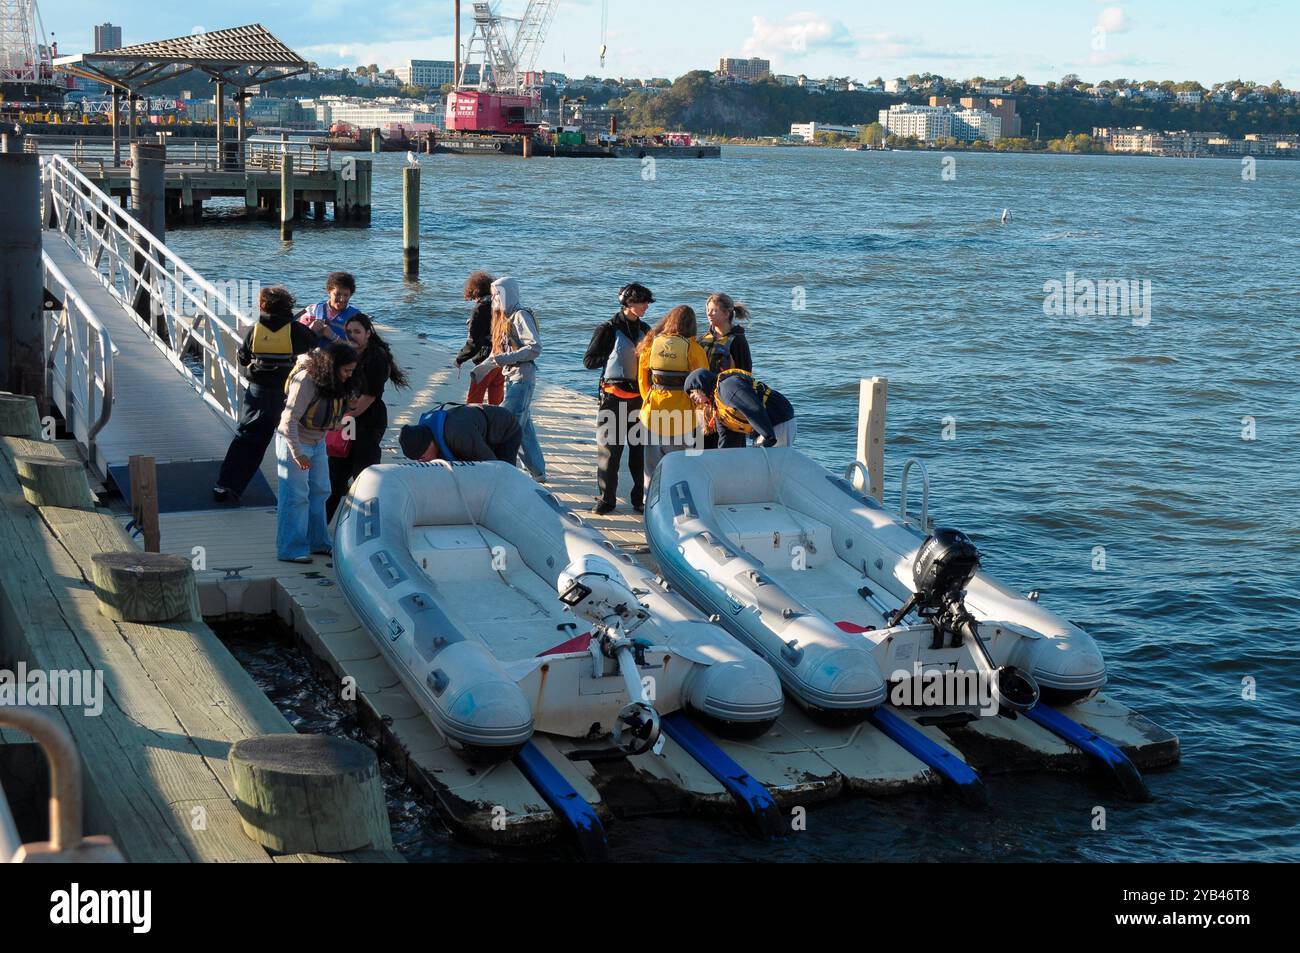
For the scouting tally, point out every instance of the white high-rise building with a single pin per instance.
(969, 125)
(926, 123)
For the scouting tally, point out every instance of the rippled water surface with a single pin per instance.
(1071, 432)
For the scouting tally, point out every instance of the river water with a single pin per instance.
(1138, 468)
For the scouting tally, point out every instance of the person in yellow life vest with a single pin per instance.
(725, 342)
(665, 357)
(735, 405)
(268, 351)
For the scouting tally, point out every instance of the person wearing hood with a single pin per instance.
(463, 432)
(735, 405)
(613, 352)
(516, 344)
(268, 352)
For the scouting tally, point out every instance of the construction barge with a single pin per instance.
(181, 719)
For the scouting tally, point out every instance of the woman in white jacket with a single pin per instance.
(516, 343)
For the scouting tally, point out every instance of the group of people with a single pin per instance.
(316, 380)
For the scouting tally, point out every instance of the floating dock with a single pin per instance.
(177, 699)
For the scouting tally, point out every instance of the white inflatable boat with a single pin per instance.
(812, 574)
(503, 615)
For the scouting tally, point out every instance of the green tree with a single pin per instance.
(872, 134)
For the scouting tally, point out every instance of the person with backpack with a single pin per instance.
(613, 351)
(268, 353)
(478, 341)
(516, 344)
(463, 432)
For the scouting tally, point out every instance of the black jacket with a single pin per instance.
(737, 348)
(602, 340)
(301, 338)
(478, 432)
(738, 392)
(478, 342)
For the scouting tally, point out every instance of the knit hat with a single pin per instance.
(414, 441)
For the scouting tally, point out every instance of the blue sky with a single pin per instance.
(1041, 39)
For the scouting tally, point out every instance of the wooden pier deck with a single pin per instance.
(180, 699)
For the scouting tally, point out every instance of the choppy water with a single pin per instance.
(1071, 432)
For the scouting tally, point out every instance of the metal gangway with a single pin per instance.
(140, 348)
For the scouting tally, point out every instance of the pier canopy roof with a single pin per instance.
(242, 56)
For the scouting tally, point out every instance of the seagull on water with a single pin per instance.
(1006, 215)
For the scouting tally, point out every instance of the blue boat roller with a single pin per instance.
(1093, 744)
(950, 767)
(572, 807)
(748, 792)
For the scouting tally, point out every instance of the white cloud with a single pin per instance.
(795, 36)
(1113, 20)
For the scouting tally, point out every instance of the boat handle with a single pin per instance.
(925, 493)
(855, 467)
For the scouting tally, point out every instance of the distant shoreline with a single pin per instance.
(997, 152)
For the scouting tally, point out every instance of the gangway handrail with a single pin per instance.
(86, 346)
(179, 309)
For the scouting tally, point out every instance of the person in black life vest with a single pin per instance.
(463, 432)
(735, 406)
(613, 352)
(268, 351)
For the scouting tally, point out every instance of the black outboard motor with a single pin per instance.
(944, 567)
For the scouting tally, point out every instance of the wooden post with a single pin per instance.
(872, 397)
(19, 417)
(411, 221)
(528, 146)
(362, 212)
(286, 197)
(54, 481)
(22, 319)
(144, 500)
(309, 794)
(375, 144)
(145, 587)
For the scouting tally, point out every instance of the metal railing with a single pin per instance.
(191, 321)
(186, 155)
(79, 350)
(66, 811)
(925, 524)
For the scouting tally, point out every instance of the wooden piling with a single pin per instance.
(375, 141)
(411, 221)
(19, 417)
(872, 397)
(528, 146)
(286, 197)
(145, 587)
(54, 481)
(309, 793)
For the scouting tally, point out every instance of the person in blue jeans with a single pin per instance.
(319, 394)
(516, 344)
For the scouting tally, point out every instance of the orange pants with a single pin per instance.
(493, 387)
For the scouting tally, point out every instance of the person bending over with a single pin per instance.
(463, 432)
(736, 405)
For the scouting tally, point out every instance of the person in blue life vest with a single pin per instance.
(268, 353)
(463, 432)
(329, 318)
(612, 351)
(735, 406)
